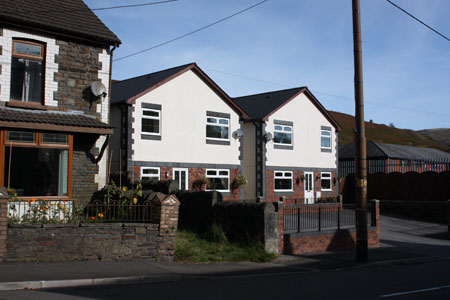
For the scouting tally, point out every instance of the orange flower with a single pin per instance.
(44, 208)
(100, 215)
(33, 199)
(92, 218)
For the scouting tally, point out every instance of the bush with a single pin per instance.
(215, 234)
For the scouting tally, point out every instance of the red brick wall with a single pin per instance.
(196, 174)
(338, 240)
(298, 187)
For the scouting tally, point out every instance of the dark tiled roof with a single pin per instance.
(123, 90)
(383, 151)
(31, 117)
(71, 17)
(260, 105)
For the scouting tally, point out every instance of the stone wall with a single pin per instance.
(95, 241)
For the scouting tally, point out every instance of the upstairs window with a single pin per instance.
(217, 128)
(27, 71)
(282, 135)
(151, 119)
(325, 138)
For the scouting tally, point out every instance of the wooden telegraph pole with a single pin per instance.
(360, 140)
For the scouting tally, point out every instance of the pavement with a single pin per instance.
(402, 241)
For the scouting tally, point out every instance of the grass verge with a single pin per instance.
(191, 248)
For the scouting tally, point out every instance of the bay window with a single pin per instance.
(37, 164)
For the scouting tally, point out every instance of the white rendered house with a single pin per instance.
(177, 124)
(290, 146)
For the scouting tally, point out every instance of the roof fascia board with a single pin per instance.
(219, 91)
(52, 127)
(316, 102)
(60, 34)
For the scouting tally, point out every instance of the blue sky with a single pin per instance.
(289, 43)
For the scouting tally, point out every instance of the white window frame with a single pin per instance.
(147, 175)
(322, 178)
(283, 131)
(325, 136)
(284, 176)
(218, 176)
(152, 118)
(220, 125)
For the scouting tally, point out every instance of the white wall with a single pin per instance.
(185, 100)
(249, 164)
(307, 121)
(114, 144)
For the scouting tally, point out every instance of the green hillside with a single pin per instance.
(384, 134)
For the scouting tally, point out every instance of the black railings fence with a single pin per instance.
(319, 217)
(116, 211)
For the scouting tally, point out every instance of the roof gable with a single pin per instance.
(68, 17)
(262, 106)
(127, 91)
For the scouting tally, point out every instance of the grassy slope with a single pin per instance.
(384, 134)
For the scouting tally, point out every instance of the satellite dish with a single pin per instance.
(98, 89)
(238, 133)
(268, 137)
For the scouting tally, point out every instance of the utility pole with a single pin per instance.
(360, 140)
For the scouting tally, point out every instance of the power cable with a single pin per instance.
(192, 32)
(134, 5)
(421, 22)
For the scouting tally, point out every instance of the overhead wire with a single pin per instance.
(418, 20)
(192, 32)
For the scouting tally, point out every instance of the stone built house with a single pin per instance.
(53, 130)
(178, 124)
(290, 146)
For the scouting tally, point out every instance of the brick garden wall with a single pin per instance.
(329, 240)
(94, 241)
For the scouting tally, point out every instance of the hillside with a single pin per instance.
(441, 135)
(384, 134)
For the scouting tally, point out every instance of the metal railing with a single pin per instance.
(116, 211)
(319, 217)
(32, 211)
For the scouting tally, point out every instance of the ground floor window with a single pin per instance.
(218, 179)
(283, 181)
(150, 173)
(325, 181)
(37, 164)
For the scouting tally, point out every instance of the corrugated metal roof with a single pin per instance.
(383, 151)
(71, 17)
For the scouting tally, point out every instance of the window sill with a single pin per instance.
(150, 137)
(284, 147)
(217, 142)
(22, 104)
(328, 150)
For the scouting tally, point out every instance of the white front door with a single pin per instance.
(309, 187)
(181, 175)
